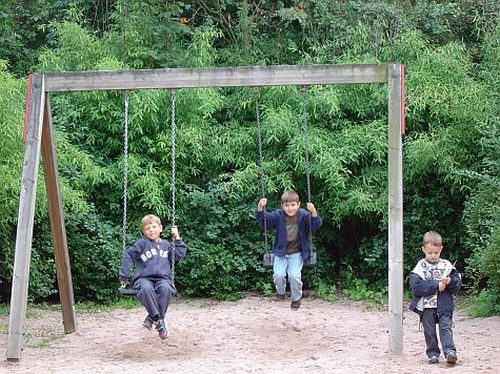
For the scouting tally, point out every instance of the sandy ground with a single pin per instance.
(253, 335)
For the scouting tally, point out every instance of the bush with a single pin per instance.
(95, 249)
(482, 220)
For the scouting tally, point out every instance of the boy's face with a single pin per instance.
(290, 207)
(432, 252)
(152, 231)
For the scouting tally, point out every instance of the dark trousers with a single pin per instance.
(429, 320)
(155, 294)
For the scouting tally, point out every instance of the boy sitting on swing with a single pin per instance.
(292, 246)
(153, 258)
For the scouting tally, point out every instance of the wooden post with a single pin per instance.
(395, 184)
(57, 222)
(26, 218)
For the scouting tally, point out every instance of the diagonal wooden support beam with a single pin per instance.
(24, 237)
(57, 226)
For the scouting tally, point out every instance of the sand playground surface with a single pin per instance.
(253, 335)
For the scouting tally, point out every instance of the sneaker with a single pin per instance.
(163, 332)
(434, 360)
(295, 305)
(451, 357)
(280, 297)
(148, 323)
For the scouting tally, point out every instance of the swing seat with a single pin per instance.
(122, 291)
(268, 260)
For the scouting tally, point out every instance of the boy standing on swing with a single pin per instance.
(292, 247)
(153, 258)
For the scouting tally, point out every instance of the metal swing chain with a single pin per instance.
(261, 160)
(173, 171)
(125, 170)
(305, 117)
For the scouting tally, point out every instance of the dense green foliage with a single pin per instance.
(451, 150)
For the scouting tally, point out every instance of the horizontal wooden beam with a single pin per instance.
(250, 76)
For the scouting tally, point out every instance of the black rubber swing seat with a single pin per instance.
(122, 291)
(268, 260)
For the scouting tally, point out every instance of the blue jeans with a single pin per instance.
(429, 320)
(291, 266)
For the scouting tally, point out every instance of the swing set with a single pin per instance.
(38, 134)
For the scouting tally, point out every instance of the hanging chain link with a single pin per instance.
(259, 140)
(305, 118)
(261, 160)
(125, 169)
(173, 172)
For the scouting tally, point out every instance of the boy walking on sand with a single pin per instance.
(433, 282)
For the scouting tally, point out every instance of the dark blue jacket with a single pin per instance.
(275, 220)
(152, 259)
(421, 288)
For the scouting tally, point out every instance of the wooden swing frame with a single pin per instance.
(39, 139)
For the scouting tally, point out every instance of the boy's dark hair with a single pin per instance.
(432, 238)
(290, 196)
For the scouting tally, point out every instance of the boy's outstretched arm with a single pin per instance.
(180, 246)
(127, 262)
(312, 209)
(261, 204)
(175, 233)
(262, 215)
(316, 221)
